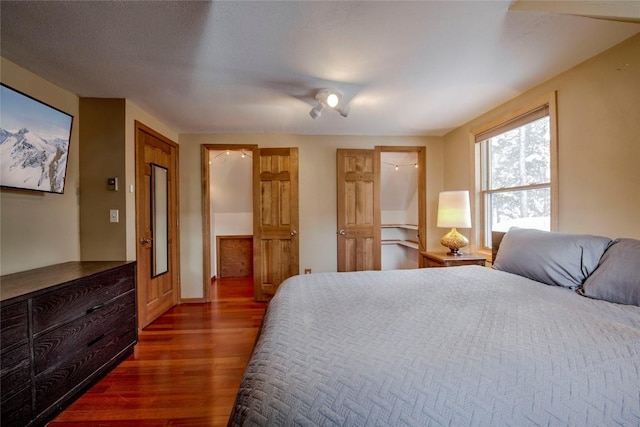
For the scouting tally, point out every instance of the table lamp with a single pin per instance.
(454, 211)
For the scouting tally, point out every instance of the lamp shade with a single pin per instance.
(454, 209)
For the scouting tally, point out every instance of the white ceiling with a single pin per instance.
(407, 68)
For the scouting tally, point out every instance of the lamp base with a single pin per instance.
(454, 241)
(455, 252)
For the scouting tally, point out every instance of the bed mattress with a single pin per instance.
(450, 346)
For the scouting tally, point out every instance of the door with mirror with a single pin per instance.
(156, 224)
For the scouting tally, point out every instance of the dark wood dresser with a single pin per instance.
(63, 327)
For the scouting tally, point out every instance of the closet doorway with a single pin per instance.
(402, 211)
(366, 227)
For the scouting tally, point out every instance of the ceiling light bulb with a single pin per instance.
(228, 152)
(397, 167)
(332, 100)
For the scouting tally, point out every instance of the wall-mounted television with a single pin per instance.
(34, 143)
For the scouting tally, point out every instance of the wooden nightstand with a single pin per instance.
(441, 259)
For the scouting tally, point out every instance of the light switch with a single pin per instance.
(114, 215)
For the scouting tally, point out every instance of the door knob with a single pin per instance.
(293, 232)
(145, 241)
(342, 232)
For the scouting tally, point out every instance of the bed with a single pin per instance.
(456, 346)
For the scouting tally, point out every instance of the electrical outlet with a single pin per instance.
(307, 271)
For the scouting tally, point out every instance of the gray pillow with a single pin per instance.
(552, 258)
(617, 278)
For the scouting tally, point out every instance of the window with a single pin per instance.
(516, 174)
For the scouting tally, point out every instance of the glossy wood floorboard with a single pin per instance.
(185, 370)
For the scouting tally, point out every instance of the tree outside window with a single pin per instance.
(516, 175)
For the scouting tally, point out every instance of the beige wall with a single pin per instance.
(38, 229)
(108, 150)
(598, 106)
(101, 157)
(317, 191)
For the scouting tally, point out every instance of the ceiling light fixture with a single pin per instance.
(328, 98)
(316, 111)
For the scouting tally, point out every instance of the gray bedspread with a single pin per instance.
(440, 347)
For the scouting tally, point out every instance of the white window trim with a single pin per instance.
(500, 117)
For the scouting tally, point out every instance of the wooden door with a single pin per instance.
(156, 293)
(275, 217)
(358, 210)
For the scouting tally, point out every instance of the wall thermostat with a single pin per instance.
(112, 184)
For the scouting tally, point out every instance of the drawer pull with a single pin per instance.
(95, 340)
(95, 308)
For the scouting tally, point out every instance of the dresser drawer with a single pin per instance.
(16, 409)
(14, 324)
(74, 338)
(73, 374)
(15, 365)
(75, 300)
(15, 369)
(433, 264)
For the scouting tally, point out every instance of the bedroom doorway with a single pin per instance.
(227, 212)
(272, 223)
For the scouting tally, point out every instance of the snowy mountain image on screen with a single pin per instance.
(29, 161)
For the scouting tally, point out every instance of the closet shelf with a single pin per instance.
(405, 243)
(403, 226)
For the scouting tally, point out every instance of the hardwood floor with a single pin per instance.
(185, 370)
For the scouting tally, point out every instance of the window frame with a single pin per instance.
(500, 120)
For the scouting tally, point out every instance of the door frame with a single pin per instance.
(173, 237)
(206, 208)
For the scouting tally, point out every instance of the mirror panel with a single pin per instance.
(159, 220)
